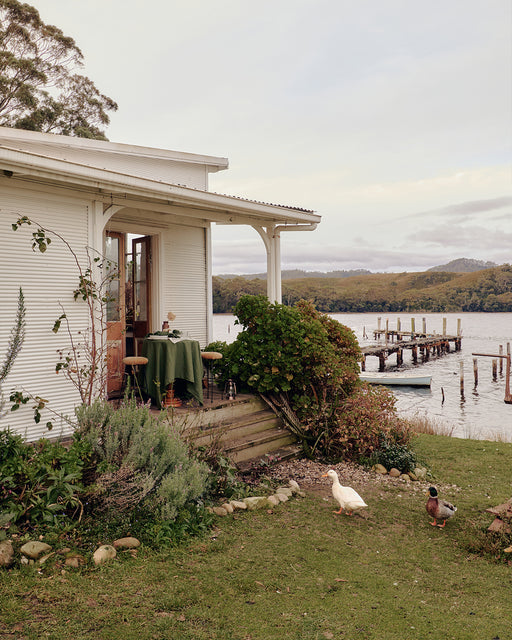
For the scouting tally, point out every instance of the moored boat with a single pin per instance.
(396, 380)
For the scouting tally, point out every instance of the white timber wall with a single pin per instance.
(184, 282)
(180, 274)
(48, 281)
(190, 174)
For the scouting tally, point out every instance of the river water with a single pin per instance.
(480, 412)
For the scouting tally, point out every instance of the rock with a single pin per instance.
(227, 507)
(220, 511)
(273, 501)
(34, 549)
(294, 486)
(126, 543)
(287, 491)
(412, 476)
(405, 477)
(104, 553)
(74, 560)
(6, 553)
(394, 473)
(43, 559)
(238, 504)
(420, 473)
(380, 468)
(256, 502)
(282, 496)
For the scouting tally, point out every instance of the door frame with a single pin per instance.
(116, 329)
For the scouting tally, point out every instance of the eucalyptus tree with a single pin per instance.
(39, 87)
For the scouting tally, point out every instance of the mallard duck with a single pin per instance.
(439, 509)
(347, 497)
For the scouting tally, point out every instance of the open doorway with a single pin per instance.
(129, 302)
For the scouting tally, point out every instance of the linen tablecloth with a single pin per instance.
(168, 361)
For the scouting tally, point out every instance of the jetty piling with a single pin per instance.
(397, 341)
(475, 371)
(508, 395)
(461, 370)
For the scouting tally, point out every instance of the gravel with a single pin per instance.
(308, 473)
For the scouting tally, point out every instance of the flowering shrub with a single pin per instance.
(365, 424)
(305, 364)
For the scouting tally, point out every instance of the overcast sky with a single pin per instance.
(390, 118)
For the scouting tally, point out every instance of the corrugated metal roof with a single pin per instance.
(267, 204)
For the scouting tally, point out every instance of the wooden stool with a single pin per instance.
(135, 362)
(208, 357)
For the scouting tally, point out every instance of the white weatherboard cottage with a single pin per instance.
(140, 206)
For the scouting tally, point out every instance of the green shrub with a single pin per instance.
(141, 460)
(40, 483)
(399, 456)
(305, 364)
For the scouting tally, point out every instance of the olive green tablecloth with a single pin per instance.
(168, 361)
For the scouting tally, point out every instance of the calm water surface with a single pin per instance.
(481, 411)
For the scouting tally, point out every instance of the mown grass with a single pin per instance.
(300, 572)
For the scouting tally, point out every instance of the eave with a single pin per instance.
(134, 191)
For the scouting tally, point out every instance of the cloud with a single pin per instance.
(470, 207)
(474, 237)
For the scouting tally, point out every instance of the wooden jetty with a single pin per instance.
(426, 344)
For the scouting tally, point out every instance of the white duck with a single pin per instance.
(347, 497)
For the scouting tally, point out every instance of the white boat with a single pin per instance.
(396, 380)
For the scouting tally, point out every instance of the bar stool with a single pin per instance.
(208, 358)
(135, 362)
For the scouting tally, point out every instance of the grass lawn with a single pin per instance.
(300, 572)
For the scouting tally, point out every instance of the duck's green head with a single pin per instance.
(433, 492)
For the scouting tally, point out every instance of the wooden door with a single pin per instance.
(141, 261)
(115, 310)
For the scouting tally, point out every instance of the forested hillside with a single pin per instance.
(486, 290)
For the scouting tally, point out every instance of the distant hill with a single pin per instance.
(488, 289)
(294, 274)
(464, 265)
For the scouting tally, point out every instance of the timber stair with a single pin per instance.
(246, 429)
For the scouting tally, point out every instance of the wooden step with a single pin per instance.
(245, 428)
(227, 412)
(288, 452)
(237, 428)
(258, 444)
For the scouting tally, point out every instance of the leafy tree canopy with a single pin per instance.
(39, 89)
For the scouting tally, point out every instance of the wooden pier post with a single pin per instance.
(475, 371)
(494, 370)
(444, 326)
(414, 351)
(382, 361)
(387, 329)
(424, 326)
(413, 328)
(378, 324)
(461, 368)
(459, 329)
(398, 329)
(508, 396)
(501, 359)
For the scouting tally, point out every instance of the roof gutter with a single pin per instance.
(310, 226)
